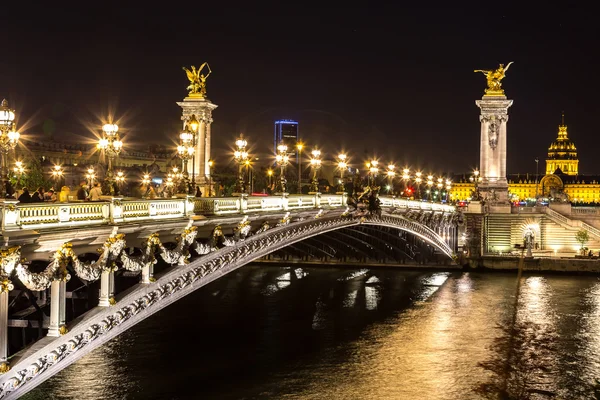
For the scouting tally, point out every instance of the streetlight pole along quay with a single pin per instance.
(315, 163)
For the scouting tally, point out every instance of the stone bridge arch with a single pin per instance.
(144, 300)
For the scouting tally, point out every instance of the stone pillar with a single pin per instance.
(147, 273)
(492, 156)
(105, 279)
(55, 306)
(202, 109)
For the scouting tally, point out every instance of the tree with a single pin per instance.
(32, 178)
(582, 238)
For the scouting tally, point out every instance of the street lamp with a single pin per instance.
(120, 179)
(19, 169)
(185, 150)
(315, 164)
(405, 178)
(299, 147)
(240, 155)
(9, 138)
(112, 145)
(342, 165)
(373, 171)
(210, 165)
(537, 164)
(391, 173)
(282, 159)
(57, 173)
(90, 175)
(418, 181)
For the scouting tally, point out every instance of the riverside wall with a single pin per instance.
(566, 264)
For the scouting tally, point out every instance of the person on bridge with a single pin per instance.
(25, 197)
(96, 192)
(82, 193)
(38, 195)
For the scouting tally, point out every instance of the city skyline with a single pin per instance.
(359, 82)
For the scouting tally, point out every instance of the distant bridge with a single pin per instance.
(260, 226)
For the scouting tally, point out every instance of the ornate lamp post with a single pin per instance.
(9, 138)
(210, 165)
(405, 179)
(185, 150)
(448, 187)
(391, 173)
(240, 155)
(90, 175)
(112, 145)
(373, 171)
(418, 181)
(429, 185)
(440, 185)
(57, 173)
(146, 179)
(299, 147)
(120, 179)
(315, 163)
(282, 159)
(475, 179)
(342, 166)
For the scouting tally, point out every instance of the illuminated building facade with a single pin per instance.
(561, 180)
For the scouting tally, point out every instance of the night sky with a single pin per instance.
(397, 83)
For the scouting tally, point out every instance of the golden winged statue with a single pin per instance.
(197, 86)
(494, 78)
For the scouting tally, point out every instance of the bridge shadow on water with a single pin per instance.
(240, 336)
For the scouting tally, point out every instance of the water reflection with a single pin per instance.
(314, 333)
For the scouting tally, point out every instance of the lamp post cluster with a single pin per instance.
(112, 145)
(57, 173)
(342, 165)
(9, 138)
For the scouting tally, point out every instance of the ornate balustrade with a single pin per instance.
(117, 210)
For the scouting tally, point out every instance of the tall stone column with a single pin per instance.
(202, 109)
(492, 156)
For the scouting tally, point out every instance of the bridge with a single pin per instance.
(157, 251)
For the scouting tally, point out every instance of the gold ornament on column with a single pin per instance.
(197, 78)
(494, 78)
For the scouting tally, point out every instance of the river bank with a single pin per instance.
(537, 264)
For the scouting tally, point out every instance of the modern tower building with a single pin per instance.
(286, 132)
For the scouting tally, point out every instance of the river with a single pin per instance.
(277, 332)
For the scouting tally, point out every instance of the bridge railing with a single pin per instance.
(113, 210)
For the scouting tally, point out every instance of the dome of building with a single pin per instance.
(562, 153)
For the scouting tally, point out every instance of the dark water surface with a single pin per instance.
(268, 332)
